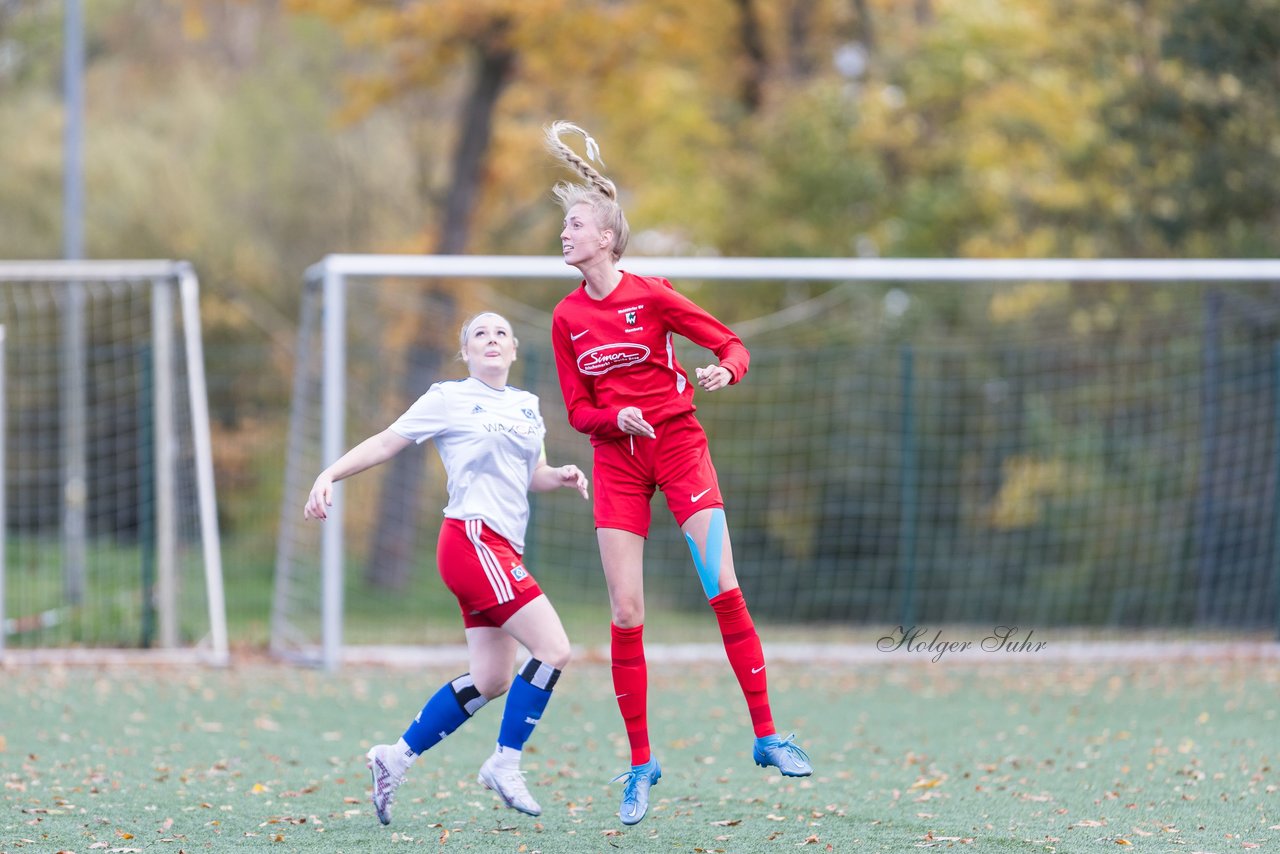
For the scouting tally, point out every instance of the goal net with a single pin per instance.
(110, 540)
(1083, 445)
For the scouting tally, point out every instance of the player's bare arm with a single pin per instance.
(376, 449)
(548, 477)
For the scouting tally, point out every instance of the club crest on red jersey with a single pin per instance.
(631, 314)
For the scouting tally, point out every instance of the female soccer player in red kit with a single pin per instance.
(622, 385)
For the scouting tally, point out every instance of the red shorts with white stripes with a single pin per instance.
(486, 574)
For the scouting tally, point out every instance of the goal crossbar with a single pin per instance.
(815, 269)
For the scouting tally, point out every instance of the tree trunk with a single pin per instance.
(799, 36)
(866, 27)
(756, 64)
(391, 554)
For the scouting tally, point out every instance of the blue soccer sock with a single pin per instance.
(526, 700)
(449, 708)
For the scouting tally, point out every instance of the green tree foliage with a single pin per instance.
(1200, 115)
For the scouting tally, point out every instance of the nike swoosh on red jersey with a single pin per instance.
(573, 337)
(700, 494)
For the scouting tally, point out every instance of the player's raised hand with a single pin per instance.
(713, 377)
(572, 476)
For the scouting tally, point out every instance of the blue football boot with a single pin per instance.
(635, 790)
(783, 754)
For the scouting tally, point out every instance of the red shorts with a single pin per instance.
(486, 574)
(678, 462)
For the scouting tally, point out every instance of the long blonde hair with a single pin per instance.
(599, 192)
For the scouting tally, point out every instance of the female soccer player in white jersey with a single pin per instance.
(490, 437)
(622, 385)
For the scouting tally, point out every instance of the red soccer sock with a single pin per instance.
(742, 644)
(631, 685)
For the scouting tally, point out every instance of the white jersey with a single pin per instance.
(490, 440)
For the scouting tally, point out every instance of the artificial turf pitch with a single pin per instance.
(1051, 756)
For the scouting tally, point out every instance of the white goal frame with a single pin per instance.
(168, 279)
(330, 276)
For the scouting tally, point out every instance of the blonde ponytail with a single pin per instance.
(602, 184)
(598, 192)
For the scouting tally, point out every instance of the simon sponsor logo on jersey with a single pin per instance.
(609, 357)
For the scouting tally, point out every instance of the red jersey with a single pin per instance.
(618, 352)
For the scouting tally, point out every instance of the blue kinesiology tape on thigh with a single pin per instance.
(709, 565)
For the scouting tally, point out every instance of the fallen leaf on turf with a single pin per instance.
(809, 840)
(728, 822)
(1123, 841)
(773, 817)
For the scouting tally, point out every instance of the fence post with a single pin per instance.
(1206, 527)
(4, 531)
(909, 467)
(1275, 484)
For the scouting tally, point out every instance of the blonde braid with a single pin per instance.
(600, 193)
(570, 157)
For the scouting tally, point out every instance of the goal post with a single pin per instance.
(110, 545)
(900, 570)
